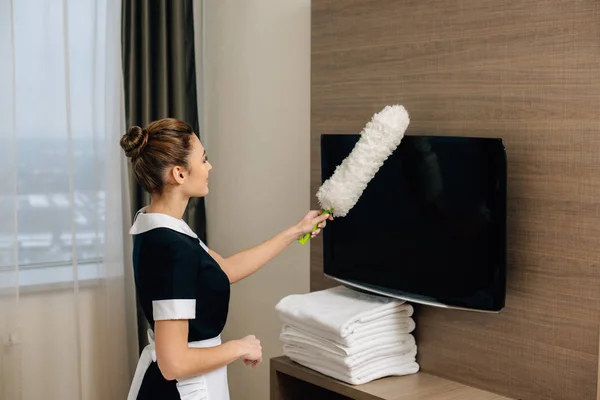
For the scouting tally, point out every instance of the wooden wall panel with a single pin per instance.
(527, 71)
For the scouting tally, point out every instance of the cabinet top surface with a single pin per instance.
(419, 386)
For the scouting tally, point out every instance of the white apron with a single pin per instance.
(209, 386)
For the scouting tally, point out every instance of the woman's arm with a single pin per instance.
(177, 361)
(245, 263)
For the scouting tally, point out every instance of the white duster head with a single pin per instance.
(380, 137)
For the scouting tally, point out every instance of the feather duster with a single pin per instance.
(378, 140)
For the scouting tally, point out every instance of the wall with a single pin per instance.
(529, 72)
(257, 99)
(45, 362)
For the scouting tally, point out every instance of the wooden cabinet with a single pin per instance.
(292, 381)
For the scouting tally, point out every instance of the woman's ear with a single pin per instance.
(178, 174)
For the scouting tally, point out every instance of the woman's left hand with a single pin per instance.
(253, 363)
(311, 219)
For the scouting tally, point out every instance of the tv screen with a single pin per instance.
(431, 225)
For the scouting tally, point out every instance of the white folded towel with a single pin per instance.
(356, 360)
(360, 333)
(368, 364)
(339, 310)
(296, 336)
(360, 376)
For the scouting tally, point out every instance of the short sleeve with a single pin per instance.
(175, 294)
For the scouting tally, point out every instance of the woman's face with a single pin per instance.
(195, 182)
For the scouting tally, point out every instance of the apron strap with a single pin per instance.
(146, 358)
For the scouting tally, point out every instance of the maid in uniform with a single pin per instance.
(183, 286)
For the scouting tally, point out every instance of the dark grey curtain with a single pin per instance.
(160, 81)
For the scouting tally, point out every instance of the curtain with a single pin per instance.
(65, 298)
(160, 81)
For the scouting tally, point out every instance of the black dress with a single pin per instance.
(176, 278)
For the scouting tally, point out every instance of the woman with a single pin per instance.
(183, 286)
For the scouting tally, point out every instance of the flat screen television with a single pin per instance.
(429, 228)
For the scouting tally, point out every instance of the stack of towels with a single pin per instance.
(348, 335)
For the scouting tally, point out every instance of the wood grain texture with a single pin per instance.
(410, 387)
(526, 71)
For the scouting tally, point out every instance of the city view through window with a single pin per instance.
(52, 220)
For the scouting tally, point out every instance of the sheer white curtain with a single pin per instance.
(65, 281)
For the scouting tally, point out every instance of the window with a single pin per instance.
(53, 163)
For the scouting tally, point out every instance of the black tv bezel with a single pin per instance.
(416, 297)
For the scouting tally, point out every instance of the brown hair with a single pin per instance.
(162, 144)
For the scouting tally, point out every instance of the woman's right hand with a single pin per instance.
(252, 350)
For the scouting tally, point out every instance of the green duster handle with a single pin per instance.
(306, 236)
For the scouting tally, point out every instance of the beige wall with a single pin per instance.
(45, 364)
(257, 111)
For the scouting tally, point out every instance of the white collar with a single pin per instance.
(145, 222)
